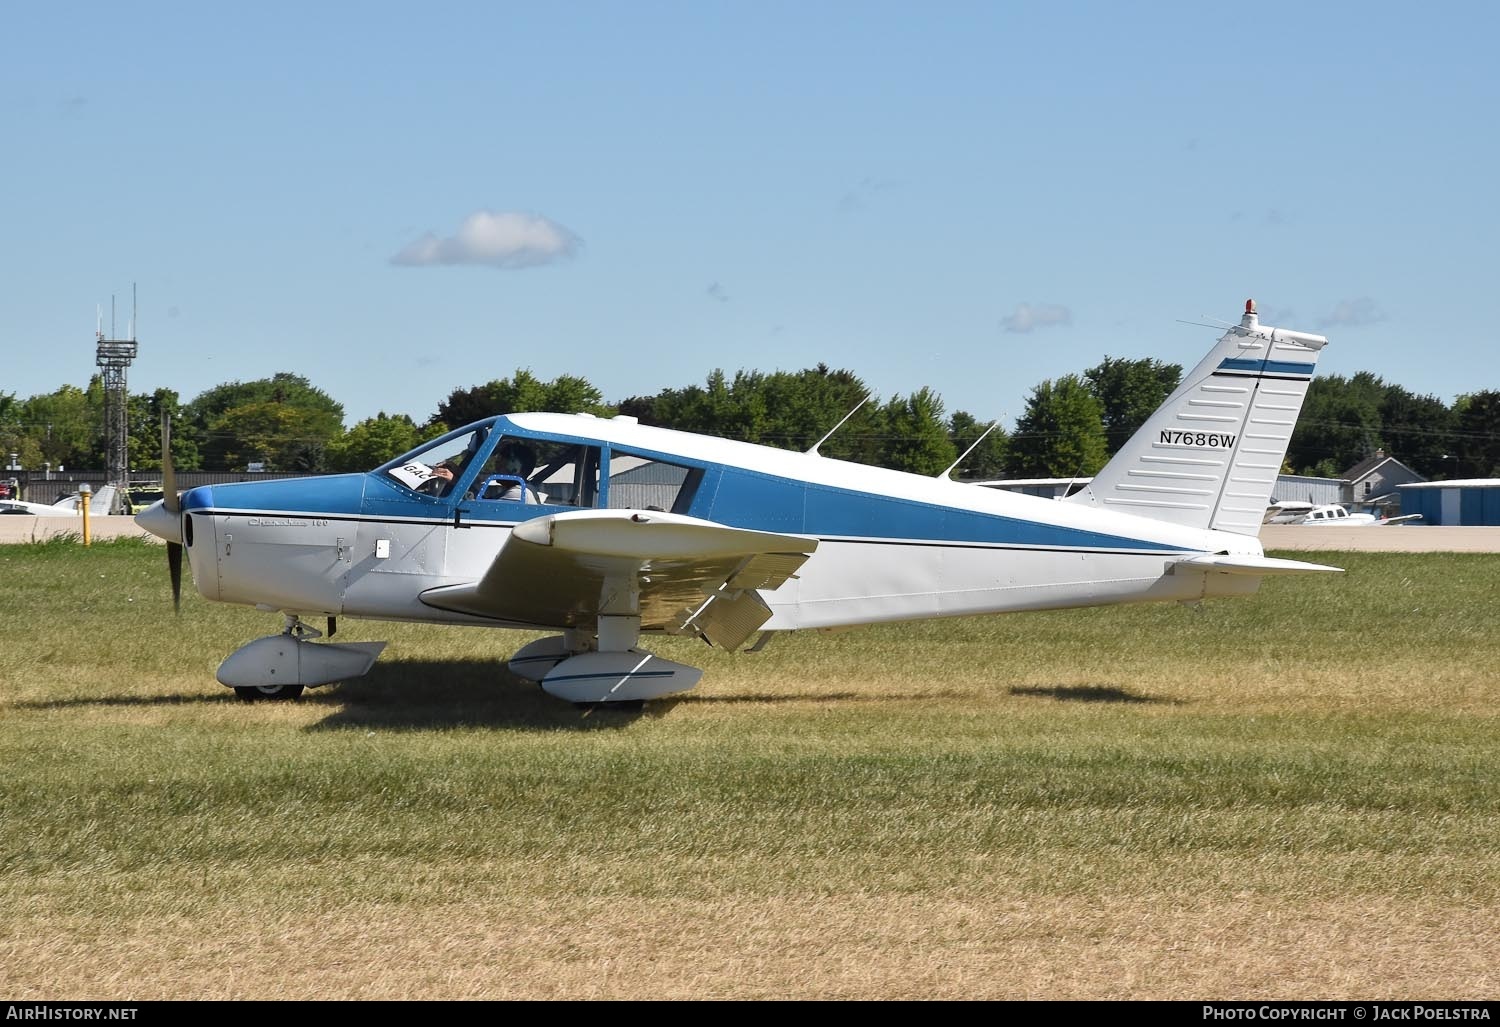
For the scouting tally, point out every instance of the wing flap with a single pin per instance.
(728, 618)
(767, 570)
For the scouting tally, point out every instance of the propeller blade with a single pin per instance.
(173, 505)
(174, 571)
(169, 498)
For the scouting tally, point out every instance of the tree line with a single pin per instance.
(1071, 425)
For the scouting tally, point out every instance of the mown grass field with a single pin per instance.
(1295, 795)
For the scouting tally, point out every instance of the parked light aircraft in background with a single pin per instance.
(602, 530)
(99, 505)
(1331, 515)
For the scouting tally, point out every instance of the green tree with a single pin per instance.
(1129, 392)
(66, 425)
(803, 406)
(377, 439)
(15, 434)
(1339, 425)
(710, 409)
(916, 435)
(145, 412)
(522, 393)
(1061, 432)
(788, 409)
(270, 433)
(1478, 430)
(282, 420)
(1418, 431)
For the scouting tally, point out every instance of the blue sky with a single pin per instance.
(395, 200)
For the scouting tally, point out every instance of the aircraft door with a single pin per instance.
(526, 478)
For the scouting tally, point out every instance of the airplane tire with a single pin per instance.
(622, 706)
(276, 693)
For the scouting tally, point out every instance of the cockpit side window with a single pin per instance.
(542, 471)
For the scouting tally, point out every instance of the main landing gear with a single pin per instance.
(603, 670)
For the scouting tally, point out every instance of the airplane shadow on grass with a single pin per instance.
(419, 695)
(409, 695)
(1089, 693)
(842, 698)
(423, 695)
(81, 702)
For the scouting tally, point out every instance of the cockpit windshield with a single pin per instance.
(433, 469)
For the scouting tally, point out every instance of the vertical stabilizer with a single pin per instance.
(103, 502)
(1209, 456)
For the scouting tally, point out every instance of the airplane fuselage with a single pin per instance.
(892, 546)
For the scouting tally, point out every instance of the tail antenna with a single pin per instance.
(948, 473)
(1073, 481)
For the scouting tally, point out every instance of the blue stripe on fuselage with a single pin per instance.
(747, 499)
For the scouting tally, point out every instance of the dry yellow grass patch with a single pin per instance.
(841, 947)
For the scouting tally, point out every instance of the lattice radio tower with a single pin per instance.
(114, 357)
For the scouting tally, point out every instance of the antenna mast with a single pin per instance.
(825, 438)
(952, 466)
(114, 357)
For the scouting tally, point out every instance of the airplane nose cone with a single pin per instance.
(161, 522)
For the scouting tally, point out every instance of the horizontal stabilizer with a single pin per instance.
(1257, 566)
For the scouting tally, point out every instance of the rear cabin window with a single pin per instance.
(645, 483)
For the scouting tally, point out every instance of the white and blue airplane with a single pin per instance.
(604, 530)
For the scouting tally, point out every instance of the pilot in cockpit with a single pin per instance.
(517, 461)
(441, 481)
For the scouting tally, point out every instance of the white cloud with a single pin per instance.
(503, 239)
(1031, 316)
(1354, 313)
(717, 292)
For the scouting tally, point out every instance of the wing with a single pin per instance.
(690, 576)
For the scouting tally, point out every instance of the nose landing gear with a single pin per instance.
(279, 667)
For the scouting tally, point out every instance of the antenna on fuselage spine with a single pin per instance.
(825, 438)
(949, 471)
